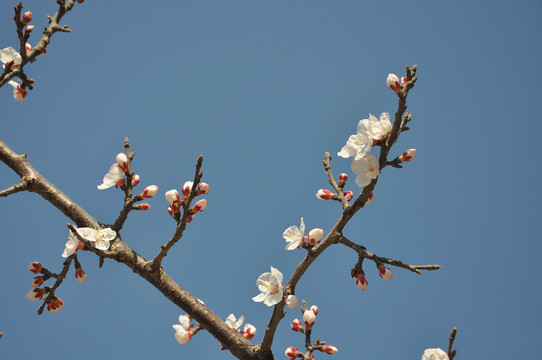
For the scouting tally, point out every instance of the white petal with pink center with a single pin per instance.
(366, 169)
(100, 237)
(114, 175)
(270, 286)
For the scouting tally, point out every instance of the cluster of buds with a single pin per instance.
(176, 201)
(359, 276)
(36, 293)
(394, 83)
(183, 330)
(309, 318)
(147, 193)
(325, 194)
(407, 156)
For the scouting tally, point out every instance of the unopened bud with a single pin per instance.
(407, 155)
(291, 353)
(297, 325)
(324, 194)
(144, 206)
(37, 281)
(55, 305)
(172, 196)
(361, 282)
(393, 83)
(292, 301)
(203, 188)
(27, 17)
(249, 331)
(349, 195)
(187, 187)
(370, 198)
(80, 275)
(80, 1)
(315, 235)
(19, 93)
(385, 273)
(149, 192)
(329, 349)
(35, 294)
(314, 309)
(29, 29)
(343, 178)
(35, 267)
(309, 317)
(122, 161)
(190, 218)
(200, 206)
(27, 47)
(135, 180)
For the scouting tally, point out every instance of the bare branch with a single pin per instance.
(23, 185)
(452, 353)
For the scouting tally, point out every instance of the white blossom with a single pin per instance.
(99, 237)
(10, 54)
(114, 175)
(183, 332)
(270, 286)
(233, 322)
(357, 145)
(294, 236)
(377, 129)
(71, 245)
(366, 169)
(434, 354)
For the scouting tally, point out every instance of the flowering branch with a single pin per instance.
(340, 194)
(364, 254)
(23, 35)
(181, 220)
(127, 188)
(59, 279)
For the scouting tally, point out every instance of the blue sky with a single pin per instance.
(263, 90)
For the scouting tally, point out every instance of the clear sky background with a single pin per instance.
(263, 89)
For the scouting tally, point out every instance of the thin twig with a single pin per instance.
(181, 225)
(452, 353)
(59, 279)
(21, 186)
(340, 194)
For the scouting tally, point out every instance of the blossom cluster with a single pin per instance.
(434, 354)
(176, 201)
(54, 304)
(248, 332)
(295, 237)
(325, 194)
(309, 319)
(359, 276)
(116, 177)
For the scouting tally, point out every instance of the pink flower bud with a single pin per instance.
(249, 331)
(370, 199)
(385, 273)
(297, 325)
(361, 282)
(203, 188)
(135, 180)
(172, 196)
(27, 47)
(190, 218)
(342, 178)
(329, 349)
(170, 211)
(35, 294)
(349, 195)
(80, 275)
(315, 235)
(309, 317)
(393, 83)
(291, 353)
(122, 161)
(37, 281)
(292, 301)
(27, 17)
(35, 267)
(324, 194)
(187, 187)
(80, 1)
(29, 29)
(407, 155)
(149, 192)
(55, 305)
(19, 93)
(144, 206)
(314, 309)
(200, 206)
